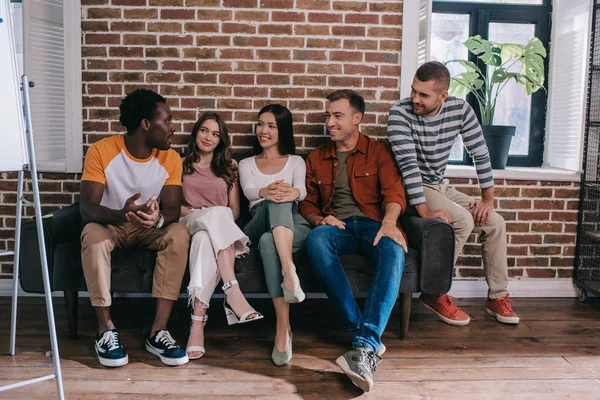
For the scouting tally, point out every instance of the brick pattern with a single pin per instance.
(235, 56)
(541, 223)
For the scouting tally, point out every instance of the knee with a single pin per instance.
(496, 223)
(392, 252)
(319, 236)
(464, 223)
(199, 237)
(178, 236)
(266, 244)
(93, 234)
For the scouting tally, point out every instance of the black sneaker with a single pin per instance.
(359, 364)
(163, 345)
(109, 350)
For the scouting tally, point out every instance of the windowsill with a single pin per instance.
(517, 173)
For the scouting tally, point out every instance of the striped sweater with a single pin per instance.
(422, 144)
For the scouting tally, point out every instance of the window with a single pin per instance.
(513, 21)
(48, 42)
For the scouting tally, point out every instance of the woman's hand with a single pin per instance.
(279, 192)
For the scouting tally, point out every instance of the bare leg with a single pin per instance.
(163, 311)
(284, 238)
(104, 320)
(235, 297)
(282, 329)
(197, 328)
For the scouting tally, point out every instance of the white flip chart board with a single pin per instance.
(12, 127)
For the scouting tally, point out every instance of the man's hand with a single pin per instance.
(390, 230)
(441, 214)
(481, 210)
(145, 215)
(333, 221)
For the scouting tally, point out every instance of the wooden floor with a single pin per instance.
(553, 354)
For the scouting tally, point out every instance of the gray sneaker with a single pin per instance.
(359, 364)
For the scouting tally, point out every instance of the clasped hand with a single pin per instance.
(279, 192)
(143, 215)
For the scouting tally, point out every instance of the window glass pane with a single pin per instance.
(513, 106)
(538, 2)
(16, 13)
(448, 32)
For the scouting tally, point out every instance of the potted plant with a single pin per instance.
(502, 62)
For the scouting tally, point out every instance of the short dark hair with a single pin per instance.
(356, 100)
(435, 71)
(285, 129)
(138, 105)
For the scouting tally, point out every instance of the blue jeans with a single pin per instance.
(326, 243)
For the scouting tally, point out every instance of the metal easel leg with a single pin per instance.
(41, 241)
(15, 295)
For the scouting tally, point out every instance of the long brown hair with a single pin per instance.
(221, 165)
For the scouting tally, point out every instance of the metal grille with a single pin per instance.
(587, 261)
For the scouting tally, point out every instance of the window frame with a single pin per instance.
(481, 15)
(73, 134)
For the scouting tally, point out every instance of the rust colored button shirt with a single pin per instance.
(372, 173)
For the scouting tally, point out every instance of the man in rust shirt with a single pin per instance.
(354, 198)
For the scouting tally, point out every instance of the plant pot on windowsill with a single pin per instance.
(498, 138)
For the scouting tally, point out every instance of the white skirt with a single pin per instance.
(213, 229)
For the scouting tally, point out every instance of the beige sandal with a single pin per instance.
(200, 349)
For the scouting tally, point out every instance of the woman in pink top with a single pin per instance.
(211, 204)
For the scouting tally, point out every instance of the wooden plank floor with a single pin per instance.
(553, 354)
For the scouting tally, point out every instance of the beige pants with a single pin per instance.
(97, 242)
(492, 235)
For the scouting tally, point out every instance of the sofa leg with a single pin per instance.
(71, 305)
(405, 304)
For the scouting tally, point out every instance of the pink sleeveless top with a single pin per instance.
(204, 189)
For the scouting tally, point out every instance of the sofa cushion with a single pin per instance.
(132, 271)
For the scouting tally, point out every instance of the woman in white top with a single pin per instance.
(274, 181)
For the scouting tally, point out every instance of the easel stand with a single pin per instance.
(42, 247)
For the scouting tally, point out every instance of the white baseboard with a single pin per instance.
(460, 288)
(517, 288)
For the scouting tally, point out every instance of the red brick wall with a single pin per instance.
(235, 56)
(541, 223)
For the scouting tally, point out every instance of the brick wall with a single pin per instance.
(541, 223)
(235, 56)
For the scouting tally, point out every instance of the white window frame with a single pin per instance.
(73, 123)
(417, 18)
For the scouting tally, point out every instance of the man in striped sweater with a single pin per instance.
(421, 132)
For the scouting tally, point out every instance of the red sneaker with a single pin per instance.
(445, 309)
(501, 309)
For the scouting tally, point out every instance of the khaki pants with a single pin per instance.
(170, 242)
(492, 235)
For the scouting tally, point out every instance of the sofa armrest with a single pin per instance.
(60, 226)
(434, 239)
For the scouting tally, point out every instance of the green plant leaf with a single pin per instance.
(465, 83)
(501, 75)
(508, 51)
(467, 65)
(533, 65)
(484, 50)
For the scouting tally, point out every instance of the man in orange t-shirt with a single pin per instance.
(125, 177)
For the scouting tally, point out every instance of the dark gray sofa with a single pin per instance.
(428, 269)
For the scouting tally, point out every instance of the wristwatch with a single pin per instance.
(160, 221)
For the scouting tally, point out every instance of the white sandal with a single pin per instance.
(232, 318)
(200, 349)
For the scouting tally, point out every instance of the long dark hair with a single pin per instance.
(221, 165)
(285, 128)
